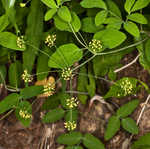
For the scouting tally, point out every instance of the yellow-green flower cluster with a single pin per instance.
(26, 77)
(67, 74)
(127, 87)
(21, 42)
(22, 5)
(50, 40)
(72, 103)
(49, 89)
(24, 114)
(95, 45)
(70, 125)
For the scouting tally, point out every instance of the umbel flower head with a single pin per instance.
(95, 46)
(126, 87)
(22, 5)
(24, 114)
(26, 77)
(67, 74)
(70, 125)
(21, 42)
(50, 40)
(72, 103)
(49, 89)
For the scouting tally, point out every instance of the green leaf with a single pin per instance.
(3, 22)
(74, 147)
(137, 17)
(64, 14)
(42, 64)
(9, 102)
(123, 87)
(50, 13)
(52, 102)
(139, 4)
(93, 4)
(26, 107)
(127, 108)
(82, 83)
(147, 50)
(113, 22)
(128, 5)
(129, 125)
(132, 28)
(34, 31)
(141, 142)
(71, 115)
(64, 26)
(108, 39)
(9, 40)
(113, 8)
(50, 3)
(71, 138)
(112, 127)
(88, 25)
(31, 91)
(10, 3)
(15, 71)
(53, 116)
(65, 56)
(3, 72)
(91, 142)
(100, 17)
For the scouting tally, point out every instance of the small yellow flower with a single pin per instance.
(49, 89)
(95, 45)
(26, 77)
(50, 40)
(70, 125)
(72, 103)
(67, 74)
(22, 5)
(24, 114)
(21, 42)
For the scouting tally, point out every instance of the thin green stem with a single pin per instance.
(124, 48)
(84, 63)
(6, 114)
(77, 36)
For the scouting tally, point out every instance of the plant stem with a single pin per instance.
(128, 65)
(124, 48)
(6, 114)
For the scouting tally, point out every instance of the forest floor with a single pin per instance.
(93, 120)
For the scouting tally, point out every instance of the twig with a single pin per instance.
(101, 100)
(128, 65)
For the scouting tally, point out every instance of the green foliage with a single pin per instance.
(129, 125)
(50, 3)
(3, 73)
(142, 143)
(33, 33)
(9, 40)
(93, 4)
(64, 14)
(31, 91)
(108, 39)
(65, 56)
(3, 22)
(71, 138)
(9, 102)
(137, 17)
(123, 87)
(50, 13)
(112, 127)
(91, 142)
(127, 108)
(132, 28)
(53, 116)
(101, 17)
(24, 112)
(15, 71)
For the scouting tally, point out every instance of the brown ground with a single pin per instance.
(14, 136)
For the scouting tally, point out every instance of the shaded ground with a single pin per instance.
(14, 136)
